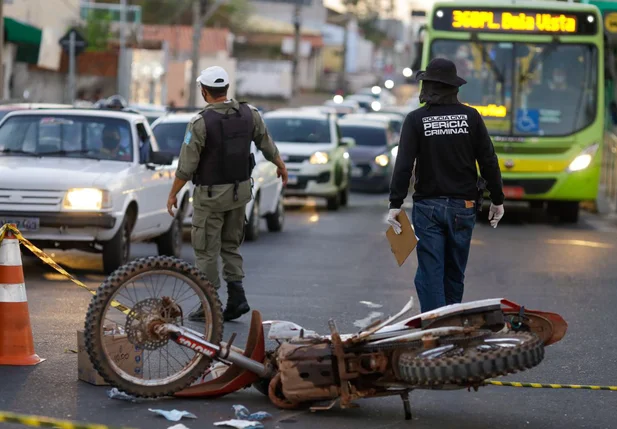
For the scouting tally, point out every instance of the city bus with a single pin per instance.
(535, 72)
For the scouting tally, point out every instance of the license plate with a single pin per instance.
(513, 192)
(23, 223)
(292, 180)
(356, 172)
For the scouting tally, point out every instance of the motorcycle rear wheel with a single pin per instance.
(495, 355)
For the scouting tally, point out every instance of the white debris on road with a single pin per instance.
(370, 304)
(362, 323)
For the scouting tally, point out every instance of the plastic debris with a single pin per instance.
(174, 415)
(370, 304)
(178, 426)
(362, 323)
(240, 424)
(116, 394)
(243, 413)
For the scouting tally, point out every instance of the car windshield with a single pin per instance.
(298, 130)
(526, 89)
(365, 135)
(71, 136)
(169, 136)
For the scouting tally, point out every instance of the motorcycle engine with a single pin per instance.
(307, 371)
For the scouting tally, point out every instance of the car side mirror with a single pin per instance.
(162, 158)
(348, 141)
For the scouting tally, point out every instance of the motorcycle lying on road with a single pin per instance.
(454, 347)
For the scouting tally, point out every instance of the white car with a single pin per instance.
(267, 187)
(64, 191)
(315, 154)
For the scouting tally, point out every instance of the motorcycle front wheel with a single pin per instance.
(462, 361)
(121, 342)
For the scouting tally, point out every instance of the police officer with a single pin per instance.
(216, 156)
(445, 138)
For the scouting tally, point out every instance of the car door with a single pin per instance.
(155, 186)
(264, 176)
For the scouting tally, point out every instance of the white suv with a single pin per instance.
(267, 187)
(315, 153)
(92, 180)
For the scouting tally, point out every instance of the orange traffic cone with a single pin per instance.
(16, 343)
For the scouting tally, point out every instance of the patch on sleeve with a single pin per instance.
(187, 137)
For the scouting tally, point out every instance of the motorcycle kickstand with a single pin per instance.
(406, 404)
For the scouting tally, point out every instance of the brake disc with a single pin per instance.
(138, 321)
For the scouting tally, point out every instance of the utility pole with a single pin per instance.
(342, 84)
(122, 66)
(2, 95)
(197, 24)
(295, 78)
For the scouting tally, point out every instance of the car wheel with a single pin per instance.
(276, 220)
(117, 251)
(566, 211)
(333, 203)
(345, 196)
(170, 243)
(252, 228)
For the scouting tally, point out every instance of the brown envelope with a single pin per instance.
(402, 244)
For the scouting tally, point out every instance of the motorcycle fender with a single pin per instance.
(234, 378)
(550, 327)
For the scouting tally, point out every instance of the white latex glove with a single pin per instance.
(396, 226)
(495, 214)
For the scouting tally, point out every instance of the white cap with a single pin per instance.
(215, 77)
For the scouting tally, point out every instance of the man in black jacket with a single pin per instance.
(445, 138)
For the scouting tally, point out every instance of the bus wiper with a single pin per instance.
(20, 152)
(486, 58)
(538, 58)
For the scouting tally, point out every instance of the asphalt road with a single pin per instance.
(322, 265)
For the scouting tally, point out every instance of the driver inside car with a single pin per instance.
(112, 147)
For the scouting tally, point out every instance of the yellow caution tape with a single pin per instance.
(548, 386)
(36, 421)
(49, 261)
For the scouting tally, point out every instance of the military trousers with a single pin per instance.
(219, 233)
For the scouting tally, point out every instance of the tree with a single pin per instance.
(97, 30)
(368, 13)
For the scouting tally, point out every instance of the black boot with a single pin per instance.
(236, 302)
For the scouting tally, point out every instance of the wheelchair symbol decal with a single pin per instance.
(527, 120)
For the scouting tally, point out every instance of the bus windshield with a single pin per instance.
(526, 89)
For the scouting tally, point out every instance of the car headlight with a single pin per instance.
(87, 199)
(394, 151)
(382, 160)
(583, 160)
(319, 158)
(376, 106)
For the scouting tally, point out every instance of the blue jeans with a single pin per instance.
(444, 227)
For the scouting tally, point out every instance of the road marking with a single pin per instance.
(595, 244)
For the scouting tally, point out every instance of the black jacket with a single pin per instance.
(445, 141)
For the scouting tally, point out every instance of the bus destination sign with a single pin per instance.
(514, 21)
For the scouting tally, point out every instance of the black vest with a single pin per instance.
(226, 157)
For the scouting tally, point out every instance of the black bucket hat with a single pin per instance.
(441, 70)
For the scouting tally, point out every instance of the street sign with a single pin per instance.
(80, 43)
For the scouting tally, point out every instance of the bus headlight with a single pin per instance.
(382, 160)
(88, 199)
(583, 160)
(319, 158)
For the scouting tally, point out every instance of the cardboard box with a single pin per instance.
(128, 357)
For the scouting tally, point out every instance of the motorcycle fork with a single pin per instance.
(224, 353)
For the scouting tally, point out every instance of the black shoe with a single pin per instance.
(236, 302)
